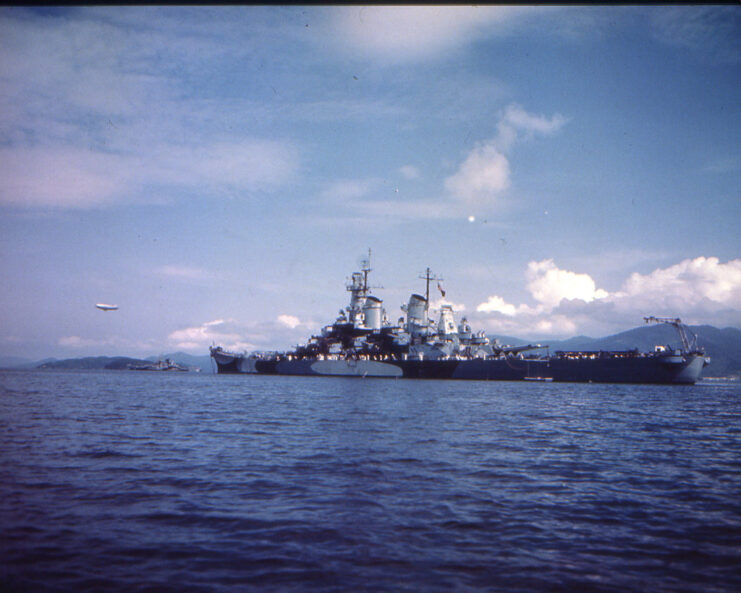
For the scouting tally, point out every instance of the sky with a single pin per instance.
(219, 172)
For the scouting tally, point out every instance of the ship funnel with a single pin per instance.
(416, 313)
(373, 312)
(416, 309)
(446, 325)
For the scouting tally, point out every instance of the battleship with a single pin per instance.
(362, 342)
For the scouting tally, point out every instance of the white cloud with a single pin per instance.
(517, 123)
(485, 172)
(437, 304)
(709, 31)
(94, 346)
(549, 285)
(79, 342)
(496, 304)
(289, 321)
(59, 176)
(252, 164)
(411, 33)
(225, 333)
(63, 176)
(700, 290)
(185, 272)
(702, 283)
(93, 112)
(349, 190)
(231, 334)
(409, 172)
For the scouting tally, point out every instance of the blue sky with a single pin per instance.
(219, 172)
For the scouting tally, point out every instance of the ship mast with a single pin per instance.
(427, 277)
(365, 267)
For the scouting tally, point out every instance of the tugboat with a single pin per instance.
(362, 342)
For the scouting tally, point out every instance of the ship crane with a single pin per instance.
(689, 339)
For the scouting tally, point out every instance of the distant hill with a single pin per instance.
(119, 362)
(14, 362)
(92, 362)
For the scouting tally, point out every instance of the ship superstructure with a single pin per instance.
(362, 342)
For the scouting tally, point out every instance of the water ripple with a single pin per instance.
(140, 482)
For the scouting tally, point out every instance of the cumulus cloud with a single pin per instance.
(550, 285)
(485, 172)
(496, 304)
(289, 321)
(702, 283)
(700, 290)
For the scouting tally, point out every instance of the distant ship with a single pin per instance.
(160, 365)
(363, 343)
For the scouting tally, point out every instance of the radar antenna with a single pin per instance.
(365, 266)
(689, 339)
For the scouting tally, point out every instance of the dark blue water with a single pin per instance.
(123, 481)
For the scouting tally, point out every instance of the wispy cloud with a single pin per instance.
(480, 179)
(189, 273)
(60, 176)
(94, 112)
(711, 32)
(285, 331)
(409, 171)
(64, 176)
(412, 33)
(75, 344)
(350, 190)
(485, 172)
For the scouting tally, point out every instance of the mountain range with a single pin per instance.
(723, 346)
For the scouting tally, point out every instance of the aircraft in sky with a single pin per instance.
(104, 307)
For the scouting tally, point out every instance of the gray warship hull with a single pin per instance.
(669, 369)
(362, 342)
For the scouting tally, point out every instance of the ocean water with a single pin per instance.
(125, 481)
